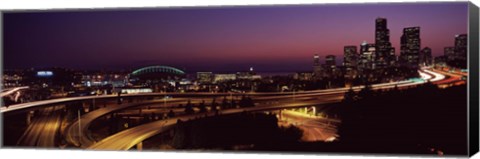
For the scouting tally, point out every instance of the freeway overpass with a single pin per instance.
(278, 96)
(35, 104)
(84, 140)
(10, 91)
(126, 139)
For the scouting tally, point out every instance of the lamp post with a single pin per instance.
(79, 128)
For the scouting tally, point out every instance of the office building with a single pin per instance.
(350, 61)
(426, 57)
(204, 77)
(461, 42)
(382, 44)
(449, 53)
(367, 57)
(224, 77)
(303, 76)
(317, 67)
(410, 47)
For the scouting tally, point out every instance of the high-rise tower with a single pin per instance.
(317, 67)
(410, 47)
(383, 47)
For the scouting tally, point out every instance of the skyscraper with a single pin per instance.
(367, 57)
(350, 56)
(330, 61)
(449, 53)
(461, 42)
(350, 60)
(393, 57)
(331, 66)
(410, 47)
(382, 43)
(317, 68)
(426, 56)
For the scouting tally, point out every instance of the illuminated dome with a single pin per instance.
(157, 73)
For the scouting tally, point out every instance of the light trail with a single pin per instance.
(13, 90)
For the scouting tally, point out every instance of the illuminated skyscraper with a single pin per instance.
(461, 42)
(393, 57)
(367, 57)
(316, 60)
(317, 67)
(330, 61)
(410, 47)
(350, 60)
(426, 56)
(350, 56)
(331, 66)
(382, 43)
(449, 53)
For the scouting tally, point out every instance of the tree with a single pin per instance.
(119, 98)
(189, 108)
(91, 107)
(249, 102)
(225, 103)
(366, 91)
(242, 103)
(233, 104)
(292, 133)
(146, 119)
(202, 107)
(171, 114)
(349, 96)
(153, 116)
(214, 105)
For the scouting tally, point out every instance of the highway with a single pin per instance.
(206, 94)
(314, 128)
(72, 132)
(453, 78)
(126, 139)
(43, 130)
(9, 91)
(86, 141)
(72, 135)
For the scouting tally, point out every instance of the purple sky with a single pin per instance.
(269, 38)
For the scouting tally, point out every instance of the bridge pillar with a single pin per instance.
(140, 146)
(29, 117)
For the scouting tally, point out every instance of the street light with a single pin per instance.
(79, 128)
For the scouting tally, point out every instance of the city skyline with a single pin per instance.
(268, 38)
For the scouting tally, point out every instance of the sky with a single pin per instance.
(219, 39)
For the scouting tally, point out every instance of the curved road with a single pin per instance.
(43, 130)
(206, 94)
(89, 117)
(126, 139)
(72, 132)
(86, 141)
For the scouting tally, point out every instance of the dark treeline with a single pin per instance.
(229, 131)
(424, 120)
(420, 120)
